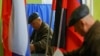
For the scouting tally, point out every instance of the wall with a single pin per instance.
(1, 47)
(39, 1)
(96, 10)
(34, 1)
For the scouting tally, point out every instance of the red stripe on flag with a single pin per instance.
(6, 13)
(72, 4)
(64, 4)
(54, 5)
(74, 40)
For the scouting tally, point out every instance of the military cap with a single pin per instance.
(78, 14)
(32, 17)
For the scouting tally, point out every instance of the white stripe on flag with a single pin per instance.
(20, 39)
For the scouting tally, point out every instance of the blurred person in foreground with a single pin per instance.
(86, 26)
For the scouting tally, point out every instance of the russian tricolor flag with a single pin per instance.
(19, 42)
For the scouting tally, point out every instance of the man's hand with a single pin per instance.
(32, 47)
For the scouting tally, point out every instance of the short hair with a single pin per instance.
(32, 17)
(78, 14)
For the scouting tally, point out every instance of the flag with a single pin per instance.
(1, 42)
(64, 28)
(60, 27)
(57, 21)
(6, 12)
(70, 40)
(60, 14)
(19, 41)
(74, 40)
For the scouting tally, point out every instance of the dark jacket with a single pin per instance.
(91, 44)
(39, 39)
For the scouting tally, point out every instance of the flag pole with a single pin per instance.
(58, 52)
(60, 27)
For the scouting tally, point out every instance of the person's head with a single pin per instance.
(81, 20)
(35, 20)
